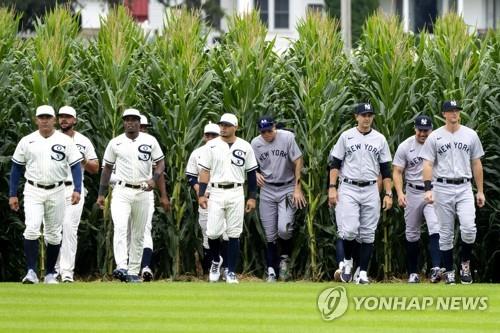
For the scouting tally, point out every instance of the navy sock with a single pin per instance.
(466, 251)
(52, 254)
(447, 259)
(434, 250)
(412, 251)
(147, 254)
(349, 248)
(214, 245)
(233, 252)
(286, 246)
(223, 252)
(207, 260)
(271, 254)
(366, 250)
(356, 252)
(31, 253)
(339, 250)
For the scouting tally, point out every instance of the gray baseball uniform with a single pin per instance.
(358, 205)
(276, 162)
(407, 157)
(451, 154)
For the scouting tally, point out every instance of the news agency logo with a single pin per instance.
(333, 303)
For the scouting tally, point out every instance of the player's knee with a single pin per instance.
(31, 234)
(285, 233)
(53, 238)
(468, 237)
(445, 243)
(413, 237)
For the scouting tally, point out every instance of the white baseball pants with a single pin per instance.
(226, 209)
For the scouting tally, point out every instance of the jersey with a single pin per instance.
(276, 159)
(86, 148)
(192, 167)
(452, 153)
(47, 160)
(228, 163)
(133, 158)
(361, 154)
(408, 157)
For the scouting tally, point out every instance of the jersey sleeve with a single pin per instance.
(250, 161)
(477, 148)
(90, 153)
(293, 149)
(205, 161)
(156, 153)
(19, 156)
(192, 165)
(428, 151)
(73, 154)
(385, 153)
(338, 150)
(109, 154)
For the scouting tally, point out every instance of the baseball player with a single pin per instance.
(224, 163)
(72, 213)
(211, 131)
(363, 154)
(133, 154)
(47, 154)
(407, 161)
(452, 155)
(280, 164)
(147, 252)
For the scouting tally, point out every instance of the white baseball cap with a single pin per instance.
(67, 110)
(229, 118)
(131, 112)
(212, 128)
(45, 110)
(144, 120)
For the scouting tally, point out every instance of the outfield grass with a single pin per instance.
(247, 307)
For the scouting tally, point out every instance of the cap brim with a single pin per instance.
(364, 112)
(453, 108)
(267, 128)
(214, 133)
(226, 123)
(423, 128)
(45, 114)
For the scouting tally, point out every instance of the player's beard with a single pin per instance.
(67, 128)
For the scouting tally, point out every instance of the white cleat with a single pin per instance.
(50, 279)
(215, 271)
(362, 278)
(30, 277)
(413, 278)
(231, 278)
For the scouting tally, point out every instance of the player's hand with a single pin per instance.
(75, 198)
(14, 203)
(402, 200)
(480, 199)
(250, 206)
(387, 203)
(151, 185)
(299, 200)
(428, 197)
(332, 197)
(100, 201)
(165, 203)
(260, 179)
(203, 202)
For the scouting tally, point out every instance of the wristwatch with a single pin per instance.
(388, 194)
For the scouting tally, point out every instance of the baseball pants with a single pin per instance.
(148, 236)
(450, 201)
(45, 206)
(277, 211)
(415, 211)
(133, 204)
(226, 209)
(358, 212)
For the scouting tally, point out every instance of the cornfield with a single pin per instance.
(180, 84)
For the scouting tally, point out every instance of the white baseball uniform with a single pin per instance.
(228, 165)
(47, 162)
(133, 160)
(73, 213)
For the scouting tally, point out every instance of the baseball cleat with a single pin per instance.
(336, 275)
(215, 271)
(30, 277)
(413, 278)
(362, 278)
(449, 277)
(67, 279)
(355, 276)
(436, 274)
(147, 274)
(120, 274)
(284, 272)
(50, 279)
(231, 278)
(271, 278)
(223, 273)
(133, 279)
(345, 275)
(465, 274)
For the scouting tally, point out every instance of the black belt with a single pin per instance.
(360, 184)
(416, 187)
(136, 187)
(68, 183)
(454, 181)
(280, 184)
(226, 186)
(45, 187)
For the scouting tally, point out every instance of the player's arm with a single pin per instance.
(334, 166)
(162, 186)
(91, 166)
(298, 197)
(157, 173)
(397, 176)
(252, 190)
(427, 176)
(477, 171)
(385, 171)
(15, 175)
(203, 183)
(104, 184)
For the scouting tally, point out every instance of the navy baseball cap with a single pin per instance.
(451, 105)
(364, 108)
(265, 123)
(423, 122)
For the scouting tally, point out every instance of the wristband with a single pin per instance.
(332, 186)
(103, 189)
(427, 185)
(156, 176)
(202, 189)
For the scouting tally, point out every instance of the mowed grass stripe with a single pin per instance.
(248, 307)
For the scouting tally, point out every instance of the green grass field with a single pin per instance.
(248, 307)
